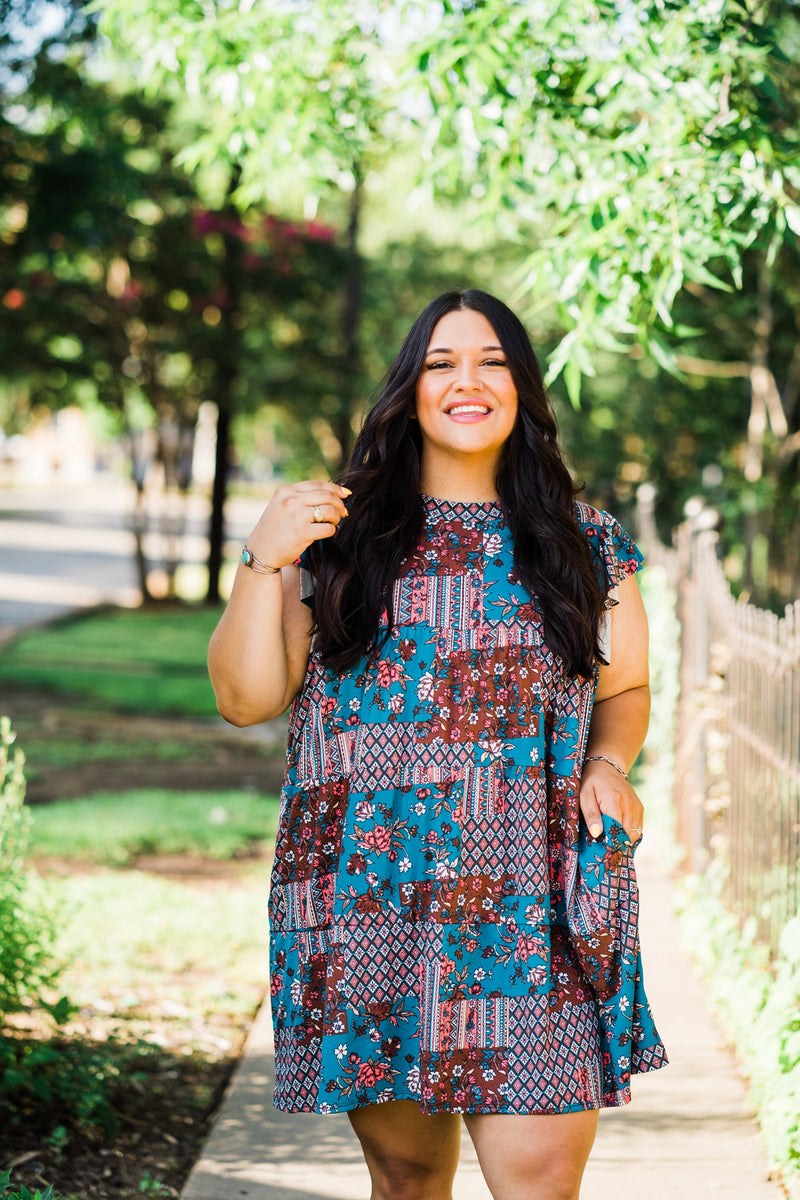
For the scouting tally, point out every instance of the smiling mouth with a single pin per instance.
(459, 409)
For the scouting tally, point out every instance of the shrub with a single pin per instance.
(33, 1074)
(26, 927)
(758, 1000)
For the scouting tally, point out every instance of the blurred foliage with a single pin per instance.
(706, 431)
(27, 933)
(758, 1002)
(117, 281)
(647, 143)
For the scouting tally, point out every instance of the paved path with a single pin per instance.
(66, 548)
(687, 1136)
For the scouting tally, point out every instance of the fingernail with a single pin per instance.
(595, 830)
(347, 491)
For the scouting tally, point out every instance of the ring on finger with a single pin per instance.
(317, 515)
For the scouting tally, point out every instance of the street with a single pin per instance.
(65, 548)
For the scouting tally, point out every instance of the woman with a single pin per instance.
(453, 901)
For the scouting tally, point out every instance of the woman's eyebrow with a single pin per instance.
(448, 350)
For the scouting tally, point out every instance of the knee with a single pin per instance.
(542, 1177)
(397, 1177)
(556, 1180)
(562, 1184)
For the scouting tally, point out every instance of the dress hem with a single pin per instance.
(618, 1099)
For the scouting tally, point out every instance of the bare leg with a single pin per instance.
(410, 1156)
(533, 1157)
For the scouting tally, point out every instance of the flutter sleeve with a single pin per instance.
(615, 554)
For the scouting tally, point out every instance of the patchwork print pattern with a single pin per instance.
(443, 930)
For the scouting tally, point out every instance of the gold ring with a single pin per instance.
(317, 516)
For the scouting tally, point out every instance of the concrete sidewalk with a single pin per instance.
(687, 1135)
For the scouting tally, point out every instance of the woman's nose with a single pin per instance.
(468, 379)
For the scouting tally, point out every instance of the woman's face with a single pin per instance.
(466, 398)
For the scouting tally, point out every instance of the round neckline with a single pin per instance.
(484, 509)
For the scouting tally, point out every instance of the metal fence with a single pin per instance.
(737, 777)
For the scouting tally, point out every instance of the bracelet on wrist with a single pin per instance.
(610, 761)
(248, 559)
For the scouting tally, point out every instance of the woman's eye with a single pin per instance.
(435, 366)
(495, 362)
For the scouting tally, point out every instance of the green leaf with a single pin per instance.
(572, 378)
(663, 355)
(700, 274)
(61, 1010)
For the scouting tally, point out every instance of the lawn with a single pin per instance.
(116, 828)
(148, 660)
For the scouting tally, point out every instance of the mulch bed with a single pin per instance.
(163, 1118)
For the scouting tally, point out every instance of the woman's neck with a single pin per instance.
(459, 481)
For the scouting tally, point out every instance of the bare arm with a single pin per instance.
(620, 716)
(258, 653)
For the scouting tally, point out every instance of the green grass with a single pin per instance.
(148, 660)
(67, 751)
(146, 948)
(114, 829)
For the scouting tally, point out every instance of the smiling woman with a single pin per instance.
(466, 407)
(453, 902)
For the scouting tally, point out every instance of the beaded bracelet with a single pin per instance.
(610, 761)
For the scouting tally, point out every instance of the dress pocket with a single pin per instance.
(603, 909)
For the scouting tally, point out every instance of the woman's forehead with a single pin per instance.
(463, 329)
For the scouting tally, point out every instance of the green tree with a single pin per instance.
(653, 147)
(118, 283)
(643, 156)
(297, 100)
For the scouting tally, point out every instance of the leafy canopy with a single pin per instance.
(633, 144)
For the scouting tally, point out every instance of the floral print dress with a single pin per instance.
(443, 927)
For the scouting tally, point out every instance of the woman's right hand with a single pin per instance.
(288, 524)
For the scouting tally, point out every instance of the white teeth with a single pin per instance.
(468, 408)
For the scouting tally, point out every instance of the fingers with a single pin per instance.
(602, 791)
(297, 515)
(323, 503)
(325, 513)
(591, 812)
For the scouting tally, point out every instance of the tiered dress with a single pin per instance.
(443, 927)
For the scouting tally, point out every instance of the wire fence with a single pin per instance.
(737, 776)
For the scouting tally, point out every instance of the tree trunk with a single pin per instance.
(139, 514)
(351, 322)
(216, 529)
(226, 376)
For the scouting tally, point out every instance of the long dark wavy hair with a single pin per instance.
(355, 569)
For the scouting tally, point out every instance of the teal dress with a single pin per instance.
(443, 927)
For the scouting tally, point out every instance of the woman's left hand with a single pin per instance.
(603, 790)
